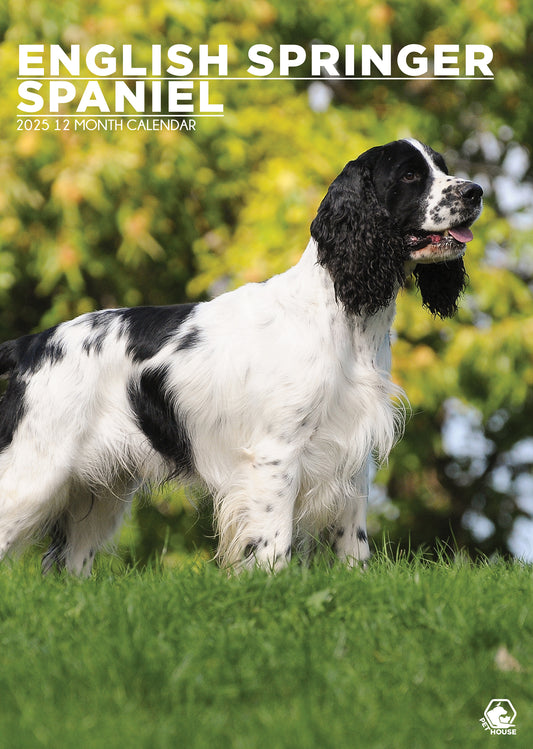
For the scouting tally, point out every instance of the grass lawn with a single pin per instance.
(407, 654)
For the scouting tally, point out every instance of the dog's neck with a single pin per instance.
(321, 281)
(313, 286)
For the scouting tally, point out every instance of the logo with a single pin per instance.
(499, 718)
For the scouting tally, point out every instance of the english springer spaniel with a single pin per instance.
(274, 397)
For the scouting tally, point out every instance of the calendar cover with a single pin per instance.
(167, 152)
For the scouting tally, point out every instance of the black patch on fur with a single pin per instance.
(100, 322)
(361, 535)
(54, 557)
(8, 358)
(32, 351)
(11, 411)
(250, 549)
(158, 417)
(149, 328)
(94, 344)
(20, 357)
(190, 340)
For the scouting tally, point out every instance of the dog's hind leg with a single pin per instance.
(30, 499)
(35, 468)
(91, 518)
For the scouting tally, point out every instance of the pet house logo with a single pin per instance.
(499, 718)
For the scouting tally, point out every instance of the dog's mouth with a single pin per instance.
(430, 247)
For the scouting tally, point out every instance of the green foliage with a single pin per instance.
(90, 220)
(322, 657)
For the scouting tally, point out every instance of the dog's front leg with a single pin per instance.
(254, 510)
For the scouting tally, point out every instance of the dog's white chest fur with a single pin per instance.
(312, 391)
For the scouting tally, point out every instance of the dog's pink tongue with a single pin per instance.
(461, 234)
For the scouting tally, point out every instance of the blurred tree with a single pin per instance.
(100, 219)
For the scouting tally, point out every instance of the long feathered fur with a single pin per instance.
(441, 286)
(358, 242)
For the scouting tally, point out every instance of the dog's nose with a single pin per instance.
(471, 192)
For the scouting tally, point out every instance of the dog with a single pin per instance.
(274, 397)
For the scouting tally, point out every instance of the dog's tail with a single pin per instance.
(8, 358)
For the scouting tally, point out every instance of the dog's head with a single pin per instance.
(393, 210)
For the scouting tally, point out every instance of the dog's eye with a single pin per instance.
(411, 176)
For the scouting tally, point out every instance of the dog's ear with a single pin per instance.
(357, 241)
(441, 284)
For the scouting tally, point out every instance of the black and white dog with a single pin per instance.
(274, 396)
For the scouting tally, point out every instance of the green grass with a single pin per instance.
(402, 655)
